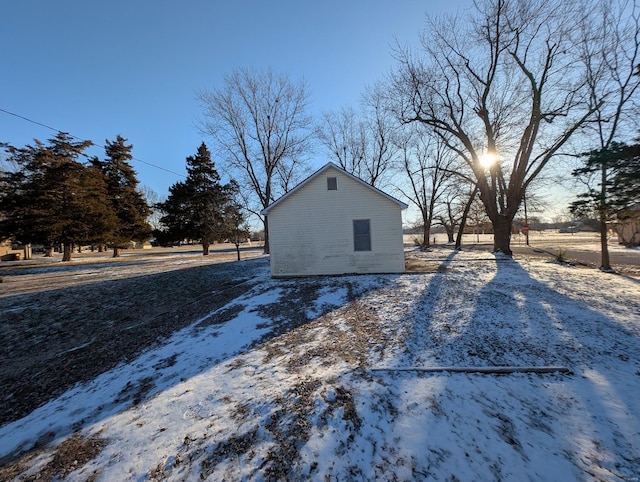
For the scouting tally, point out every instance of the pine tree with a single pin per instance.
(53, 198)
(128, 203)
(59, 198)
(625, 184)
(98, 216)
(175, 216)
(46, 199)
(617, 189)
(198, 208)
(12, 195)
(236, 228)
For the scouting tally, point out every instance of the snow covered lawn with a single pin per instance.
(299, 383)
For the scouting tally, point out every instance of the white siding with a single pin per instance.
(311, 232)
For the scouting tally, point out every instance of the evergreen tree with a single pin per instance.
(12, 196)
(625, 185)
(199, 207)
(98, 216)
(128, 203)
(617, 189)
(175, 216)
(52, 198)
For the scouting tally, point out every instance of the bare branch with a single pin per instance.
(259, 122)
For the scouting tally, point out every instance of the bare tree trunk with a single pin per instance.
(502, 235)
(238, 250)
(266, 235)
(116, 252)
(27, 251)
(48, 252)
(605, 264)
(463, 221)
(426, 229)
(205, 247)
(449, 229)
(66, 252)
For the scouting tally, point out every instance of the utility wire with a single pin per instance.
(84, 140)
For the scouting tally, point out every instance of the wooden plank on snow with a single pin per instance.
(488, 370)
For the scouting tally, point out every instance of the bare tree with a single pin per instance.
(471, 197)
(428, 165)
(382, 128)
(611, 53)
(344, 136)
(452, 205)
(362, 142)
(260, 123)
(477, 215)
(152, 198)
(507, 85)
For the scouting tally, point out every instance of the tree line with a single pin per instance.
(56, 196)
(466, 125)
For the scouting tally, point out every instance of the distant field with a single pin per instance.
(581, 248)
(222, 250)
(551, 237)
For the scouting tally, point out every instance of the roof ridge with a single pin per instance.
(315, 174)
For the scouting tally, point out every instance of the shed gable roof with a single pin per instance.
(321, 171)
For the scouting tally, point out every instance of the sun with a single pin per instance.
(487, 160)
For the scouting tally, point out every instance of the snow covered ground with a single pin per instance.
(325, 401)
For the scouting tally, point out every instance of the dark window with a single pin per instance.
(361, 235)
(332, 183)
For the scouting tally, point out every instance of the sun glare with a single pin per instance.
(487, 160)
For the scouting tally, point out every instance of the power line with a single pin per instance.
(84, 140)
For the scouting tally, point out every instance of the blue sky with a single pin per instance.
(98, 69)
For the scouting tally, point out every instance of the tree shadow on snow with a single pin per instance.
(588, 419)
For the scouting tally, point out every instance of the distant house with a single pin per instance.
(140, 245)
(628, 226)
(335, 223)
(8, 253)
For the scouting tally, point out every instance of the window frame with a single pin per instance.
(362, 240)
(329, 185)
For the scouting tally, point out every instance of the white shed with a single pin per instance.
(335, 223)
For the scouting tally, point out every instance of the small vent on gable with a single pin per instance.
(332, 183)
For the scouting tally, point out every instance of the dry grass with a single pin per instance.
(416, 265)
(63, 326)
(71, 454)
